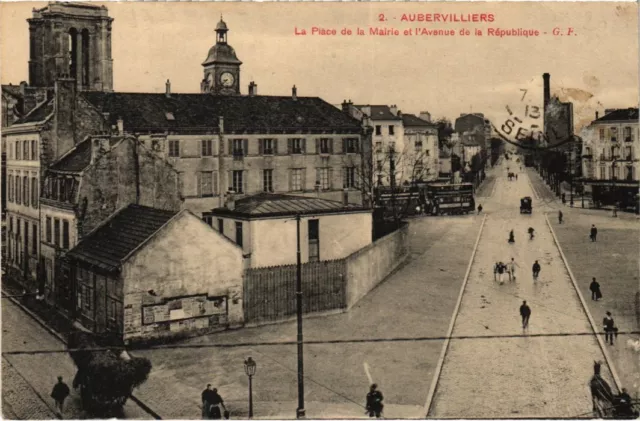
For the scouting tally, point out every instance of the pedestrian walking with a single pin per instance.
(374, 402)
(596, 294)
(536, 270)
(59, 394)
(511, 237)
(530, 231)
(525, 313)
(501, 269)
(511, 269)
(479, 209)
(609, 328)
(594, 233)
(560, 217)
(516, 177)
(216, 405)
(207, 397)
(564, 199)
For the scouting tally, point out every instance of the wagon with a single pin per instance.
(526, 205)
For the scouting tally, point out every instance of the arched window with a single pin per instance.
(587, 151)
(85, 57)
(73, 52)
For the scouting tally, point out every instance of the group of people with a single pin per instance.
(512, 236)
(212, 405)
(500, 269)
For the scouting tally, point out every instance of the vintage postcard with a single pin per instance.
(281, 210)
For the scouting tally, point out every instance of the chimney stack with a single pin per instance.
(425, 116)
(294, 93)
(597, 115)
(120, 126)
(221, 124)
(253, 89)
(393, 109)
(168, 89)
(547, 89)
(230, 202)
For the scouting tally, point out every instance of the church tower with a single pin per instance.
(222, 67)
(71, 39)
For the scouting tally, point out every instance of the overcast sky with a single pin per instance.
(153, 42)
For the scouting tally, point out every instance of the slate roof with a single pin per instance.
(624, 114)
(410, 120)
(270, 204)
(78, 158)
(148, 111)
(122, 233)
(380, 112)
(40, 113)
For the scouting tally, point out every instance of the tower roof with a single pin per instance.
(221, 26)
(221, 53)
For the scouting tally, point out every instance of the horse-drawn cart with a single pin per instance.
(606, 403)
(526, 205)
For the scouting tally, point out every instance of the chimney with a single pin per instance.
(167, 91)
(597, 115)
(345, 197)
(120, 126)
(393, 109)
(221, 124)
(294, 93)
(345, 106)
(399, 113)
(230, 201)
(253, 89)
(99, 146)
(425, 116)
(547, 89)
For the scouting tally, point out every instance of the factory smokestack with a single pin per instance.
(547, 89)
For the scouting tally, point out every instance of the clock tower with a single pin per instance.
(222, 67)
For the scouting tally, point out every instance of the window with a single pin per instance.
(325, 145)
(296, 146)
(350, 144)
(18, 190)
(25, 150)
(349, 177)
(237, 182)
(34, 192)
(17, 151)
(392, 130)
(614, 152)
(239, 233)
(239, 148)
(48, 230)
(615, 172)
(323, 178)
(207, 183)
(10, 189)
(208, 220)
(26, 239)
(34, 240)
(174, 148)
(379, 165)
(603, 172)
(147, 315)
(113, 309)
(267, 180)
(427, 153)
(314, 240)
(601, 134)
(378, 147)
(25, 190)
(614, 134)
(296, 179)
(207, 147)
(56, 232)
(418, 145)
(267, 146)
(221, 225)
(65, 234)
(34, 151)
(378, 130)
(629, 173)
(627, 134)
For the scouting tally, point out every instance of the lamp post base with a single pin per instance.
(300, 413)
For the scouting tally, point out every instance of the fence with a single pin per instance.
(269, 293)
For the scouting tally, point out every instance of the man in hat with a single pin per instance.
(609, 328)
(59, 394)
(374, 402)
(525, 313)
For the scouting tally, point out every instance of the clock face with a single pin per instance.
(227, 79)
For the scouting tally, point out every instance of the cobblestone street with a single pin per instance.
(27, 379)
(518, 375)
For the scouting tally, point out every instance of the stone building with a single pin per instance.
(87, 185)
(421, 138)
(147, 273)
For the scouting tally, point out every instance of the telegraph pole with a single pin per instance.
(392, 181)
(300, 412)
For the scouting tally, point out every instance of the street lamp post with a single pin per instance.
(250, 370)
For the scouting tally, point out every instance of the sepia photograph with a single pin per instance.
(320, 210)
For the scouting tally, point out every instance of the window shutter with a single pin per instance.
(245, 147)
(344, 145)
(289, 146)
(303, 178)
(291, 180)
(199, 184)
(357, 140)
(261, 146)
(318, 177)
(330, 145)
(275, 146)
(344, 176)
(230, 180)
(202, 147)
(230, 146)
(303, 145)
(214, 151)
(214, 183)
(318, 142)
(245, 176)
(330, 176)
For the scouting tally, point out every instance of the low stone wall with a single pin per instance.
(369, 266)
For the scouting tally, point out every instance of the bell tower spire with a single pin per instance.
(221, 67)
(221, 31)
